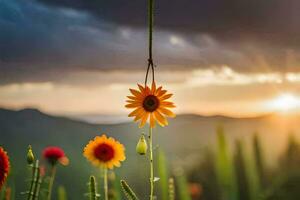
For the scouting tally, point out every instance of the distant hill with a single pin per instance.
(183, 141)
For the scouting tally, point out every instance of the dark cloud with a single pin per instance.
(272, 19)
(45, 40)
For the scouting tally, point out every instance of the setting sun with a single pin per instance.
(285, 103)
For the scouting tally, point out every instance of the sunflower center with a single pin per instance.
(104, 152)
(151, 103)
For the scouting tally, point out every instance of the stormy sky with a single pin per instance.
(76, 56)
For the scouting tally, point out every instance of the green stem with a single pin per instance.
(34, 180)
(38, 186)
(92, 187)
(30, 193)
(151, 165)
(52, 178)
(105, 184)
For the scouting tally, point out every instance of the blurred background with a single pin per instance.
(233, 66)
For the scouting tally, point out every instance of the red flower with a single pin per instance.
(55, 154)
(4, 166)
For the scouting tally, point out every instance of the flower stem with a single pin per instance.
(52, 177)
(105, 183)
(151, 165)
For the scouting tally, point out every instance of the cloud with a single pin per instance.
(207, 91)
(49, 41)
(275, 18)
(227, 76)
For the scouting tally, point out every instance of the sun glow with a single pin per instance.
(285, 103)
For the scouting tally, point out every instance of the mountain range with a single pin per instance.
(183, 141)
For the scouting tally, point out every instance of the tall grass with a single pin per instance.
(182, 185)
(225, 168)
(163, 175)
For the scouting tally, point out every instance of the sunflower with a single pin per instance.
(104, 152)
(4, 166)
(150, 103)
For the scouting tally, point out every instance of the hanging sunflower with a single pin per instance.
(4, 166)
(105, 152)
(150, 103)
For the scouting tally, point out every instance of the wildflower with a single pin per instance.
(4, 166)
(55, 154)
(104, 152)
(150, 103)
(141, 147)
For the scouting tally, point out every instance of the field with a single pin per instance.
(210, 158)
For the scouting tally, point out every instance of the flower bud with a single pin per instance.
(141, 147)
(30, 156)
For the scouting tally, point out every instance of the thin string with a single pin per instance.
(150, 41)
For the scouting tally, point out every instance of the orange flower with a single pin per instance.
(150, 103)
(104, 152)
(4, 166)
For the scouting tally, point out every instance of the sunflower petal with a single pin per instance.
(164, 97)
(135, 112)
(161, 93)
(160, 119)
(144, 120)
(132, 97)
(147, 91)
(158, 90)
(135, 92)
(167, 104)
(166, 112)
(132, 105)
(139, 116)
(142, 89)
(152, 120)
(131, 101)
(153, 87)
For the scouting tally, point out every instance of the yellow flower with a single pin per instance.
(150, 103)
(104, 152)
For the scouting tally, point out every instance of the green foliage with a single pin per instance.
(254, 166)
(182, 185)
(241, 173)
(163, 175)
(171, 189)
(290, 160)
(115, 192)
(205, 173)
(93, 189)
(286, 183)
(258, 159)
(225, 169)
(5, 193)
(2, 192)
(287, 188)
(128, 191)
(61, 193)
